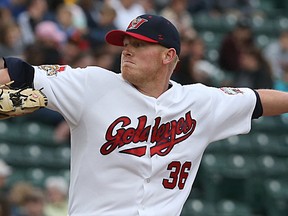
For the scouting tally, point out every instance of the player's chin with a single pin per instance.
(126, 74)
(130, 76)
(127, 70)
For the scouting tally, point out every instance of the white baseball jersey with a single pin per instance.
(132, 154)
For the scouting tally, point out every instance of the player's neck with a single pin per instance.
(153, 91)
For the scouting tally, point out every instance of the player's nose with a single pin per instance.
(127, 51)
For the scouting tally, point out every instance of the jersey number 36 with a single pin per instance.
(178, 175)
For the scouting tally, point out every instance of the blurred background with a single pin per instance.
(241, 43)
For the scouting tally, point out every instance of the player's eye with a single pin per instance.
(134, 43)
(137, 44)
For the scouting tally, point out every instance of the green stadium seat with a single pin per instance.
(212, 55)
(198, 207)
(262, 40)
(274, 124)
(234, 144)
(211, 39)
(12, 153)
(233, 208)
(38, 175)
(37, 132)
(5, 150)
(267, 167)
(226, 207)
(282, 145)
(261, 25)
(18, 175)
(264, 143)
(276, 197)
(225, 176)
(61, 156)
(9, 131)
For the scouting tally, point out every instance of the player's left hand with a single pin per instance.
(18, 102)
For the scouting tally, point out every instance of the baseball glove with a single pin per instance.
(19, 102)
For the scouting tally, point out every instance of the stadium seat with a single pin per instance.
(225, 176)
(60, 157)
(17, 175)
(198, 207)
(276, 197)
(232, 208)
(226, 207)
(261, 25)
(282, 144)
(9, 131)
(267, 167)
(37, 132)
(38, 175)
(238, 144)
(264, 143)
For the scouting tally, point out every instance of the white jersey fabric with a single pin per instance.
(132, 154)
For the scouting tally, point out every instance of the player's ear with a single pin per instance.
(169, 55)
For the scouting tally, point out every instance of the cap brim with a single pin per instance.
(116, 37)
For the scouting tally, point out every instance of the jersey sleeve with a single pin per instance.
(65, 88)
(231, 111)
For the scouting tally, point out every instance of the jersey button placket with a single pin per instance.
(157, 106)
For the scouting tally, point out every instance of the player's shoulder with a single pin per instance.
(96, 69)
(99, 76)
(195, 87)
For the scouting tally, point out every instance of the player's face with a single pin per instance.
(141, 61)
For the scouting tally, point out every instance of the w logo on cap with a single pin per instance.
(136, 23)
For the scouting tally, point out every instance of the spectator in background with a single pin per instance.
(149, 6)
(176, 11)
(91, 10)
(56, 191)
(105, 23)
(241, 37)
(126, 10)
(197, 6)
(5, 172)
(5, 17)
(51, 39)
(52, 7)
(235, 7)
(105, 58)
(255, 71)
(79, 20)
(281, 83)
(10, 40)
(5, 208)
(14, 6)
(193, 67)
(64, 19)
(27, 20)
(33, 203)
(16, 196)
(277, 54)
(72, 48)
(83, 59)
(47, 49)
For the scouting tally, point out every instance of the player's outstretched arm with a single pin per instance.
(4, 75)
(18, 101)
(273, 102)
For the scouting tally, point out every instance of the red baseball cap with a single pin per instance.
(149, 28)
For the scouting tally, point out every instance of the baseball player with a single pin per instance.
(137, 138)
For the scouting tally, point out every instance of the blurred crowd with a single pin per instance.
(26, 199)
(73, 32)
